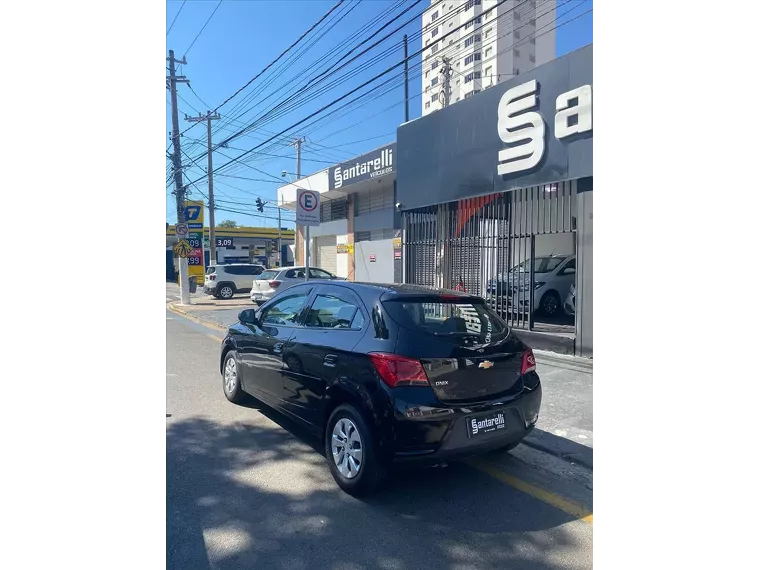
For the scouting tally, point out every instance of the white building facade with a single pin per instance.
(496, 43)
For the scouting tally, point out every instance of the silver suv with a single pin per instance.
(223, 281)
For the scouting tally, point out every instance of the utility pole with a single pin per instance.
(279, 234)
(445, 71)
(173, 79)
(405, 72)
(298, 143)
(208, 117)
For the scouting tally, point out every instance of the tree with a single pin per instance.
(227, 224)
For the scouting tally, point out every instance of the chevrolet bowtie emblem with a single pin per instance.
(485, 364)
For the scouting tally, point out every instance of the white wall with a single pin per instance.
(288, 194)
(380, 271)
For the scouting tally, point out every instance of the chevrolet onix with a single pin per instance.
(385, 373)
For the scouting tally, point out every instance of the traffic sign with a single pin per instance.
(181, 230)
(307, 212)
(183, 248)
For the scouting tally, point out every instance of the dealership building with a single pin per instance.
(359, 235)
(496, 194)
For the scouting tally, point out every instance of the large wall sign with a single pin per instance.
(375, 164)
(534, 129)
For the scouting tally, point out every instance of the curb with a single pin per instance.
(586, 460)
(560, 361)
(174, 308)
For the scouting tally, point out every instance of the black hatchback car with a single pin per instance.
(385, 373)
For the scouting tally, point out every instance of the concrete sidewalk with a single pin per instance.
(565, 426)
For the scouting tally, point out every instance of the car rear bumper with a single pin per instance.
(436, 433)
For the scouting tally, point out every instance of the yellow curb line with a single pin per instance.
(552, 499)
(174, 309)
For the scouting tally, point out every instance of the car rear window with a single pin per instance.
(210, 270)
(268, 275)
(447, 318)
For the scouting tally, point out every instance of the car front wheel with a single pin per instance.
(350, 451)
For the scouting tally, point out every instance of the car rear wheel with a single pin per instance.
(230, 374)
(350, 451)
(225, 291)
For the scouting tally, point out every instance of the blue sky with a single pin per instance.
(243, 36)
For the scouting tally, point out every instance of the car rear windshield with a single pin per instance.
(210, 270)
(447, 318)
(268, 275)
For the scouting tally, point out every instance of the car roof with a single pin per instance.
(405, 289)
(237, 264)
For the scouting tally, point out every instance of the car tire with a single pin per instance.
(230, 378)
(367, 466)
(550, 304)
(225, 291)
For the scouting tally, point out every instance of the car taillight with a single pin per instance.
(528, 361)
(212, 277)
(274, 284)
(398, 370)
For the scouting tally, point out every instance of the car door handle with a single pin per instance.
(330, 360)
(278, 348)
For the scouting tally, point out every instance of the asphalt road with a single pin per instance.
(246, 488)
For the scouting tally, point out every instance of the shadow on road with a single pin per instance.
(253, 496)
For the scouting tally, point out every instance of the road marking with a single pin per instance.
(169, 318)
(214, 337)
(546, 496)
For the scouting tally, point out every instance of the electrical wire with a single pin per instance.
(527, 38)
(201, 29)
(237, 159)
(175, 18)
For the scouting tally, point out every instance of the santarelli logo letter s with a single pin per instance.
(516, 126)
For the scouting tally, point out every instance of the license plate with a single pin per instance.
(257, 296)
(481, 425)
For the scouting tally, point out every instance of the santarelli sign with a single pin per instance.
(374, 164)
(534, 129)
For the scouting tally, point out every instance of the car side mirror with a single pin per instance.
(248, 316)
(569, 271)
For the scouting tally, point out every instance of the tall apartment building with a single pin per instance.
(492, 47)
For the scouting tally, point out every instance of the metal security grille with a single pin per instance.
(374, 200)
(334, 209)
(487, 244)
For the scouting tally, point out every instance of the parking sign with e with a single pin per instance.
(308, 211)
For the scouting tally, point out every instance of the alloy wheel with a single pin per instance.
(230, 375)
(347, 449)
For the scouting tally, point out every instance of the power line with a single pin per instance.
(313, 79)
(175, 18)
(280, 55)
(237, 159)
(201, 29)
